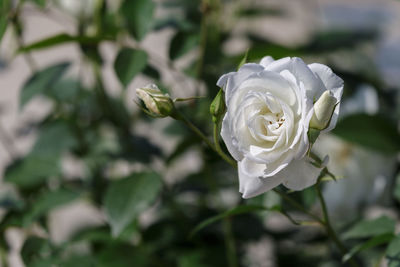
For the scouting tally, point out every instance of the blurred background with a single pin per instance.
(88, 179)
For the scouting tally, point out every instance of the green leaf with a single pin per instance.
(128, 197)
(182, 43)
(393, 252)
(396, 192)
(128, 63)
(34, 249)
(4, 9)
(48, 201)
(63, 38)
(378, 226)
(375, 132)
(54, 138)
(138, 16)
(41, 81)
(232, 212)
(43, 161)
(41, 3)
(32, 170)
(244, 59)
(373, 242)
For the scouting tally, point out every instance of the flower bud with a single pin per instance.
(323, 110)
(217, 107)
(157, 103)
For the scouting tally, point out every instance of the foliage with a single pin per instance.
(191, 224)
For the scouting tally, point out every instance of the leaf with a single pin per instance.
(128, 197)
(128, 63)
(63, 38)
(43, 161)
(182, 43)
(393, 252)
(373, 242)
(232, 212)
(54, 138)
(48, 201)
(244, 59)
(34, 249)
(32, 171)
(41, 81)
(375, 132)
(396, 192)
(138, 16)
(378, 226)
(4, 9)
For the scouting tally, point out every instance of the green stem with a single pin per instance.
(328, 227)
(296, 205)
(218, 147)
(230, 243)
(182, 118)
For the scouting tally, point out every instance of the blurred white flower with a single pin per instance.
(269, 108)
(365, 175)
(364, 100)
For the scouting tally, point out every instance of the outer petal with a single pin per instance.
(229, 139)
(302, 72)
(230, 81)
(299, 174)
(265, 61)
(251, 183)
(333, 83)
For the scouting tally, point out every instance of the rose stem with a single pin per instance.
(328, 227)
(229, 238)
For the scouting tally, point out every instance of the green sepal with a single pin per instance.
(217, 107)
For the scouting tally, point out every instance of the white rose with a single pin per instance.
(269, 107)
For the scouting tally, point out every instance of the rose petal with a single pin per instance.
(302, 73)
(265, 61)
(229, 139)
(299, 174)
(230, 81)
(250, 183)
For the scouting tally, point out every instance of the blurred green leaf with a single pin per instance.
(259, 11)
(128, 63)
(4, 9)
(182, 43)
(54, 138)
(375, 227)
(396, 192)
(375, 132)
(64, 90)
(232, 212)
(63, 38)
(138, 16)
(41, 3)
(32, 170)
(41, 81)
(48, 201)
(128, 197)
(393, 252)
(43, 161)
(79, 260)
(152, 72)
(373, 242)
(34, 250)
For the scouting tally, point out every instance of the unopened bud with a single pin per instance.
(323, 110)
(157, 103)
(217, 107)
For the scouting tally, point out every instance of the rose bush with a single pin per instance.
(269, 108)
